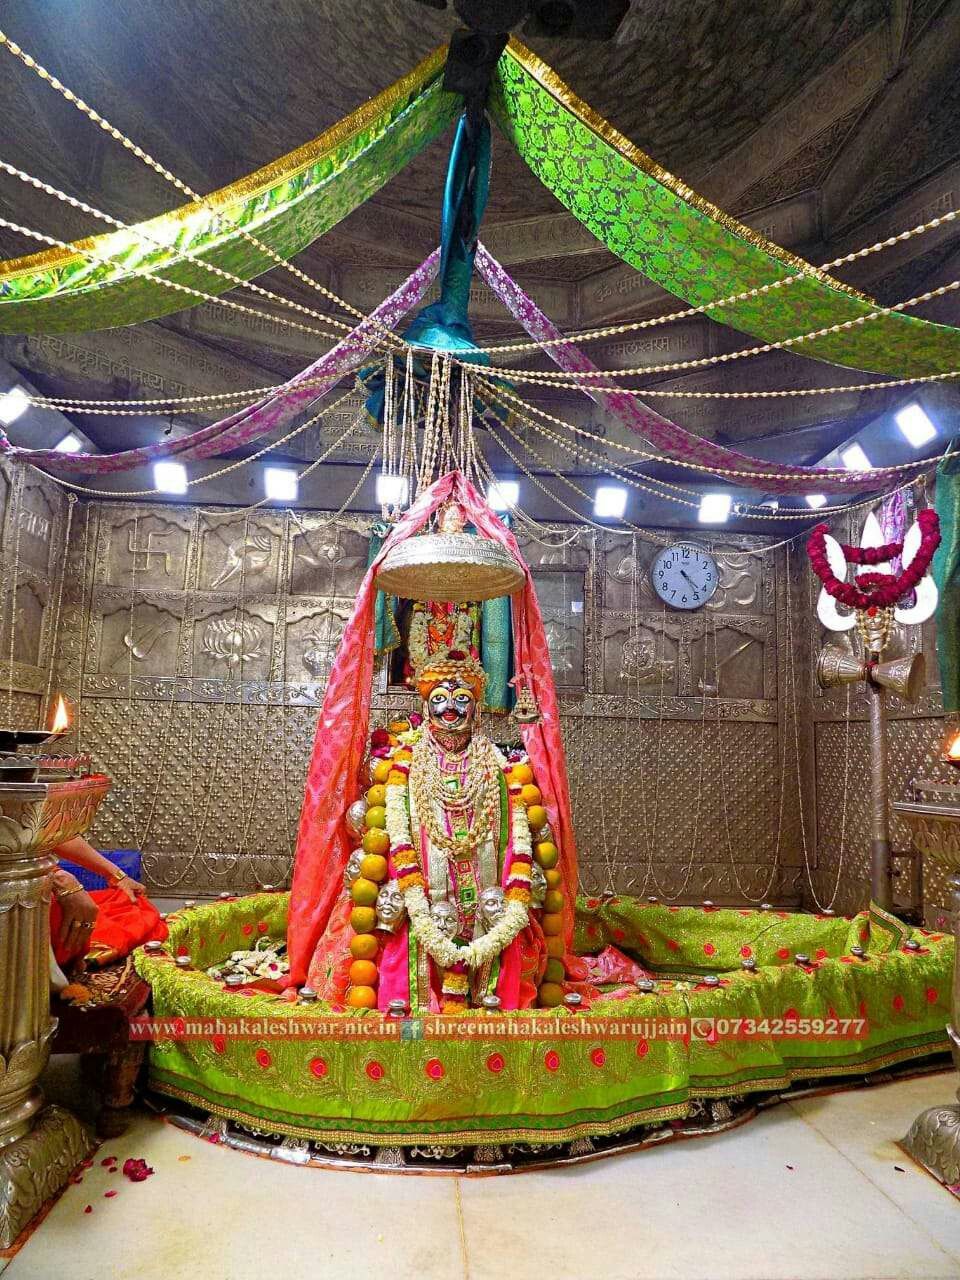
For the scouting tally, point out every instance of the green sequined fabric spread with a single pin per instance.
(691, 249)
(631, 1059)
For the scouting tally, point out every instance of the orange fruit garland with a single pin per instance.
(537, 817)
(364, 892)
(364, 946)
(376, 841)
(553, 878)
(377, 794)
(552, 924)
(551, 903)
(374, 867)
(530, 795)
(554, 972)
(521, 774)
(547, 854)
(376, 816)
(362, 998)
(381, 771)
(550, 995)
(363, 919)
(555, 947)
(363, 973)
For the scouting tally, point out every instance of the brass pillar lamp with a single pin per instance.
(39, 1145)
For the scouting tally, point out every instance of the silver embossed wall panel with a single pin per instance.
(33, 527)
(197, 647)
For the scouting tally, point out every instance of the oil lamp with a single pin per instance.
(951, 752)
(16, 767)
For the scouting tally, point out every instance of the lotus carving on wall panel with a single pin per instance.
(232, 643)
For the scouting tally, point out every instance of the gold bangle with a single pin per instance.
(77, 888)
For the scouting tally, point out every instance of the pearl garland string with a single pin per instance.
(393, 339)
(627, 478)
(631, 326)
(559, 378)
(191, 256)
(831, 473)
(42, 238)
(221, 471)
(165, 173)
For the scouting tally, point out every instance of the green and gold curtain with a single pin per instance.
(287, 205)
(683, 243)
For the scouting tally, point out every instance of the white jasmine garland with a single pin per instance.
(515, 917)
(397, 818)
(477, 953)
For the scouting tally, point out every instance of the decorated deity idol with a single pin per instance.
(433, 869)
(440, 887)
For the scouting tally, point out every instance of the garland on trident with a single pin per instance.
(873, 591)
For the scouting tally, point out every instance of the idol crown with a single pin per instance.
(450, 664)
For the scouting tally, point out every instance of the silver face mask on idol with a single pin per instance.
(446, 918)
(390, 908)
(492, 905)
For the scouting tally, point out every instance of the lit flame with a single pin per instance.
(61, 717)
(953, 751)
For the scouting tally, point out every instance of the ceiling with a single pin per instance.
(825, 122)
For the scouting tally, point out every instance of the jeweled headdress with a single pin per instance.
(454, 664)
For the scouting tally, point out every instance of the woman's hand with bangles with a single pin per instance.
(78, 914)
(132, 888)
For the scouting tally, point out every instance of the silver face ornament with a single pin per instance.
(492, 905)
(451, 707)
(538, 885)
(355, 816)
(390, 906)
(445, 917)
(352, 869)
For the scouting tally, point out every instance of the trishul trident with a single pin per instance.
(905, 676)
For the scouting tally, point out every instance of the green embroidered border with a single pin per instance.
(554, 1086)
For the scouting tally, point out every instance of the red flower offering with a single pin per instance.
(875, 590)
(136, 1170)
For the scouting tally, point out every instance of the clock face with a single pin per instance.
(685, 576)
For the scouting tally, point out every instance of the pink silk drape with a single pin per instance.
(333, 778)
(273, 413)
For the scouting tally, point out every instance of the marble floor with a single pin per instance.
(813, 1189)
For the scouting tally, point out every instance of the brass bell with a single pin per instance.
(903, 676)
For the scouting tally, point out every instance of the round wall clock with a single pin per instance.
(684, 576)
